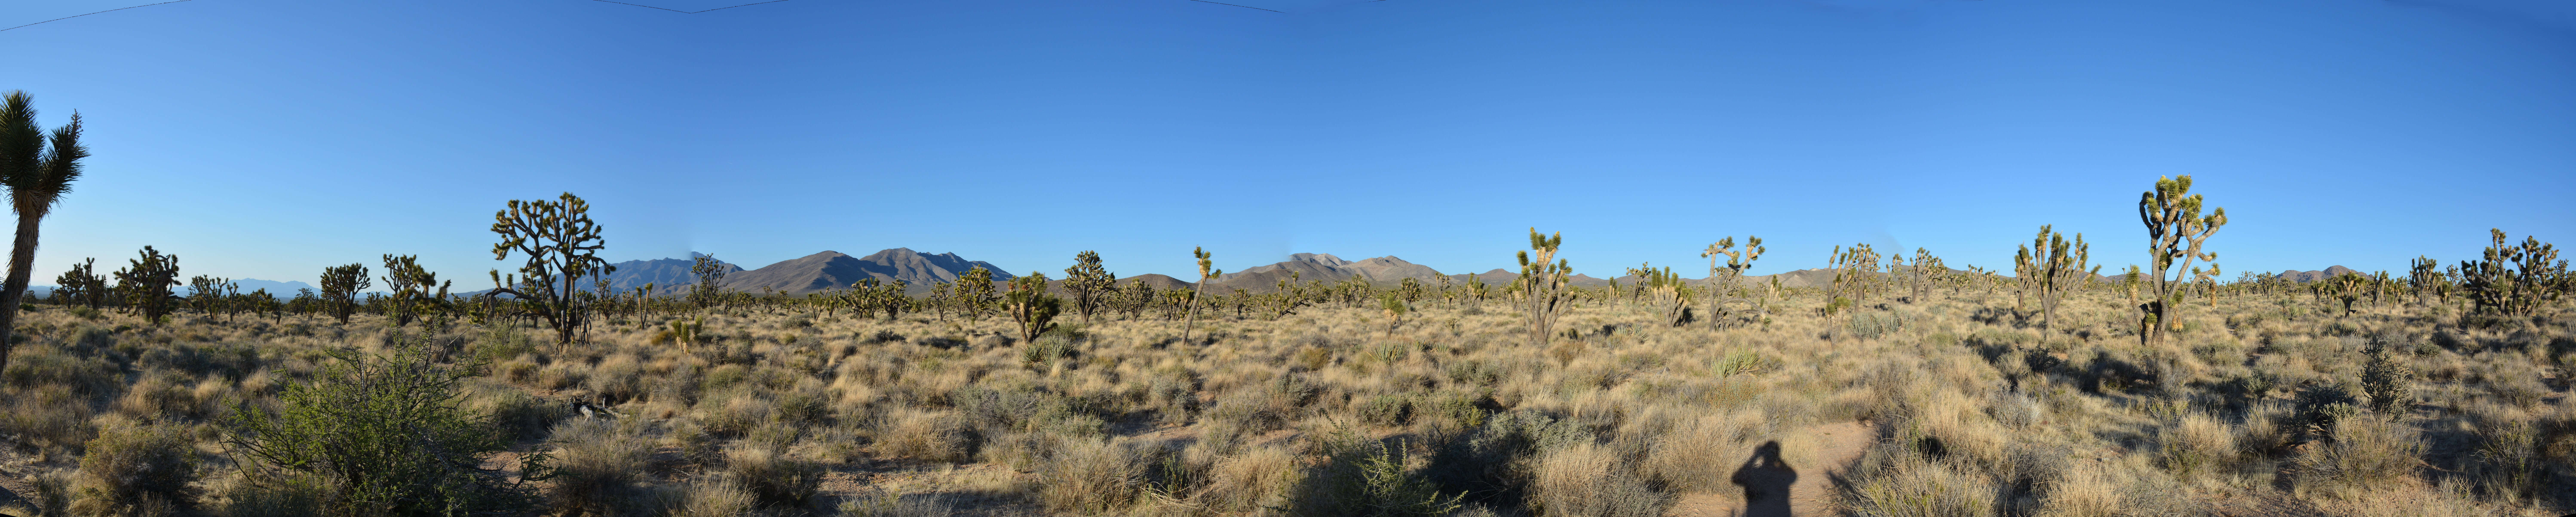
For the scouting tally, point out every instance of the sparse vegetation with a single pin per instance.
(1334, 398)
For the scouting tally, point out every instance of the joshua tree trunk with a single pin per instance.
(22, 260)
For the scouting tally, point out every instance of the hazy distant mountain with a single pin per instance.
(669, 276)
(835, 270)
(2312, 276)
(282, 290)
(1328, 268)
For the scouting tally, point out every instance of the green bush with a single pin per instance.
(1365, 477)
(384, 434)
(774, 479)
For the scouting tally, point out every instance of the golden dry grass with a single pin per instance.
(787, 409)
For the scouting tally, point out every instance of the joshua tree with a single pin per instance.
(1090, 284)
(82, 285)
(710, 274)
(2057, 267)
(2175, 230)
(2346, 288)
(1670, 295)
(340, 286)
(1410, 289)
(37, 169)
(412, 287)
(1030, 306)
(2514, 280)
(562, 245)
(1205, 274)
(942, 294)
(146, 281)
(206, 294)
(975, 293)
(1542, 285)
(1927, 271)
(1394, 308)
(2421, 275)
(1854, 271)
(1724, 277)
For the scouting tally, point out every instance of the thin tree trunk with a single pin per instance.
(22, 259)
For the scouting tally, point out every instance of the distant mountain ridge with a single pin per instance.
(668, 276)
(831, 270)
(2313, 276)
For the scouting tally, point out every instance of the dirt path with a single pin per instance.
(1809, 482)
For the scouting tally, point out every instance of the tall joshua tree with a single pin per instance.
(1542, 284)
(340, 286)
(37, 168)
(561, 245)
(1206, 273)
(1090, 284)
(2175, 230)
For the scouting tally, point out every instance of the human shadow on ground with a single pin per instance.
(1766, 479)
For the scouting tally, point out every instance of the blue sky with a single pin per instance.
(269, 138)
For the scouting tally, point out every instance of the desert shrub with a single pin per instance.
(249, 497)
(1365, 477)
(598, 467)
(385, 434)
(774, 479)
(515, 413)
(736, 415)
(617, 379)
(501, 343)
(891, 504)
(1589, 480)
(2366, 454)
(1918, 486)
(1485, 463)
(135, 471)
(1091, 477)
(2319, 406)
(1259, 478)
(716, 498)
(1386, 410)
(47, 417)
(2389, 380)
(928, 436)
(34, 367)
(2085, 491)
(2198, 443)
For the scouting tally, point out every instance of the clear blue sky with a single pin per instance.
(270, 138)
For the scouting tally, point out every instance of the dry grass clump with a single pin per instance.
(136, 470)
